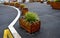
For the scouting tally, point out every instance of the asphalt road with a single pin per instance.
(7, 15)
(50, 22)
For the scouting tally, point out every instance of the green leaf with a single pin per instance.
(31, 17)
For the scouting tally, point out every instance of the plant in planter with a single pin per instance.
(56, 4)
(30, 22)
(22, 6)
(57, 0)
(31, 17)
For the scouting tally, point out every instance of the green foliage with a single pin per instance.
(48, 0)
(31, 17)
(57, 0)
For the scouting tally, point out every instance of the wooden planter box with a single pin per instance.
(41, 1)
(36, 1)
(24, 11)
(6, 3)
(17, 4)
(11, 3)
(48, 2)
(29, 27)
(55, 5)
(23, 1)
(31, 1)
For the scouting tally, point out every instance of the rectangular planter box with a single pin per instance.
(6, 3)
(55, 5)
(37, 0)
(17, 4)
(28, 26)
(24, 11)
(11, 3)
(48, 2)
(31, 0)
